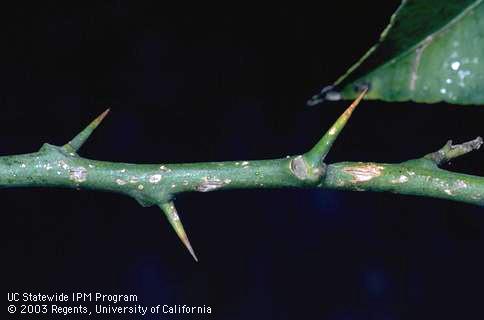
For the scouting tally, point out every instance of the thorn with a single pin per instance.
(172, 215)
(77, 142)
(343, 119)
(317, 154)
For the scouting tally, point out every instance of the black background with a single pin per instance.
(229, 83)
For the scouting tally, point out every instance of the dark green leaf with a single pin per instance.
(431, 51)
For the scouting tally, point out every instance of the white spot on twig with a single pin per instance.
(401, 179)
(121, 182)
(155, 178)
(140, 187)
(63, 165)
(459, 184)
(78, 174)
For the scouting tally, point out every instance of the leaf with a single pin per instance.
(431, 51)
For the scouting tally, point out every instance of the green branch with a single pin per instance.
(158, 184)
(449, 151)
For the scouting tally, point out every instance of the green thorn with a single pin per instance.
(77, 142)
(172, 215)
(317, 154)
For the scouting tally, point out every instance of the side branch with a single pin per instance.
(449, 151)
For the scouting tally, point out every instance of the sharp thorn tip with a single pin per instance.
(172, 216)
(102, 116)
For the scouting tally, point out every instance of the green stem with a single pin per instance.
(158, 184)
(154, 184)
(416, 177)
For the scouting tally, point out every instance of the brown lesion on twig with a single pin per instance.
(210, 184)
(364, 172)
(450, 151)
